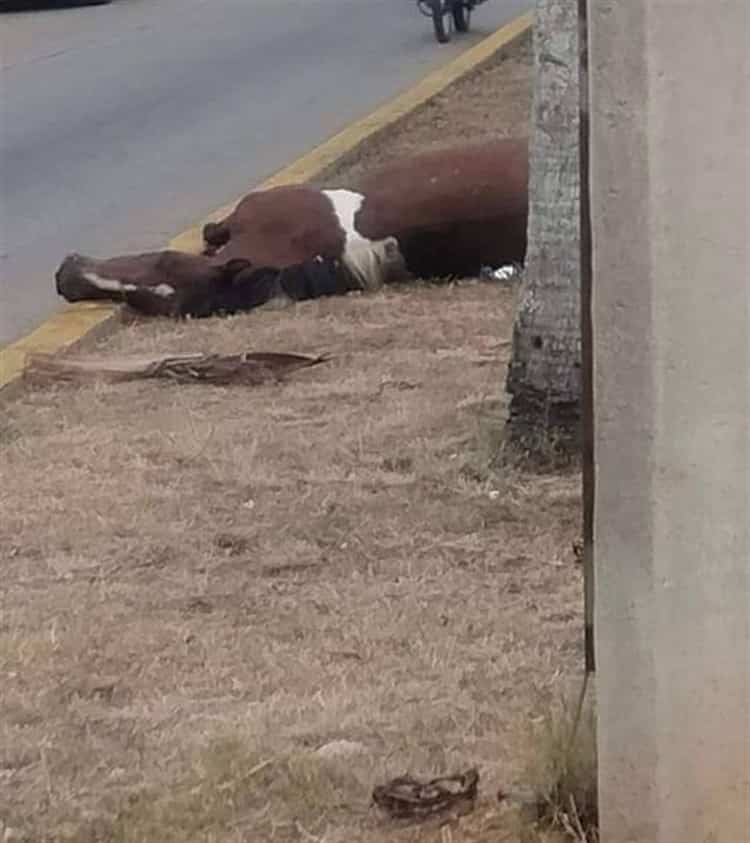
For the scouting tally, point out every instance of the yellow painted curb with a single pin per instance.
(59, 331)
(76, 321)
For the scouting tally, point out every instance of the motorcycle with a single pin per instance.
(448, 15)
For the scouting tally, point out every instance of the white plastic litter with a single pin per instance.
(503, 273)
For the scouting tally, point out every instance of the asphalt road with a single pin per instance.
(122, 125)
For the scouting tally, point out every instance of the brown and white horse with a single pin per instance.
(439, 213)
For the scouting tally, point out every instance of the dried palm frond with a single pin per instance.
(247, 368)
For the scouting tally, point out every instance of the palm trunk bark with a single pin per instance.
(544, 376)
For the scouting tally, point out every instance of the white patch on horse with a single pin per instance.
(371, 262)
(164, 290)
(108, 285)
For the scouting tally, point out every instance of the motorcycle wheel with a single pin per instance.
(442, 31)
(461, 17)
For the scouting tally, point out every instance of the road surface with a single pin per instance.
(122, 125)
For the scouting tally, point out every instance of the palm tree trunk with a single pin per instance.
(544, 377)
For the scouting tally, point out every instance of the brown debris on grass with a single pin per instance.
(408, 798)
(227, 614)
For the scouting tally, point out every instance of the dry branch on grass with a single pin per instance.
(247, 368)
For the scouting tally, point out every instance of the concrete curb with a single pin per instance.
(88, 320)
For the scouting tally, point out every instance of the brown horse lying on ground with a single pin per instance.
(440, 213)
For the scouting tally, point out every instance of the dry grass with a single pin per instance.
(203, 586)
(198, 579)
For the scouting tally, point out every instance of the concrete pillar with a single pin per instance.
(670, 187)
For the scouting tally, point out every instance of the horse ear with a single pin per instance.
(216, 234)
